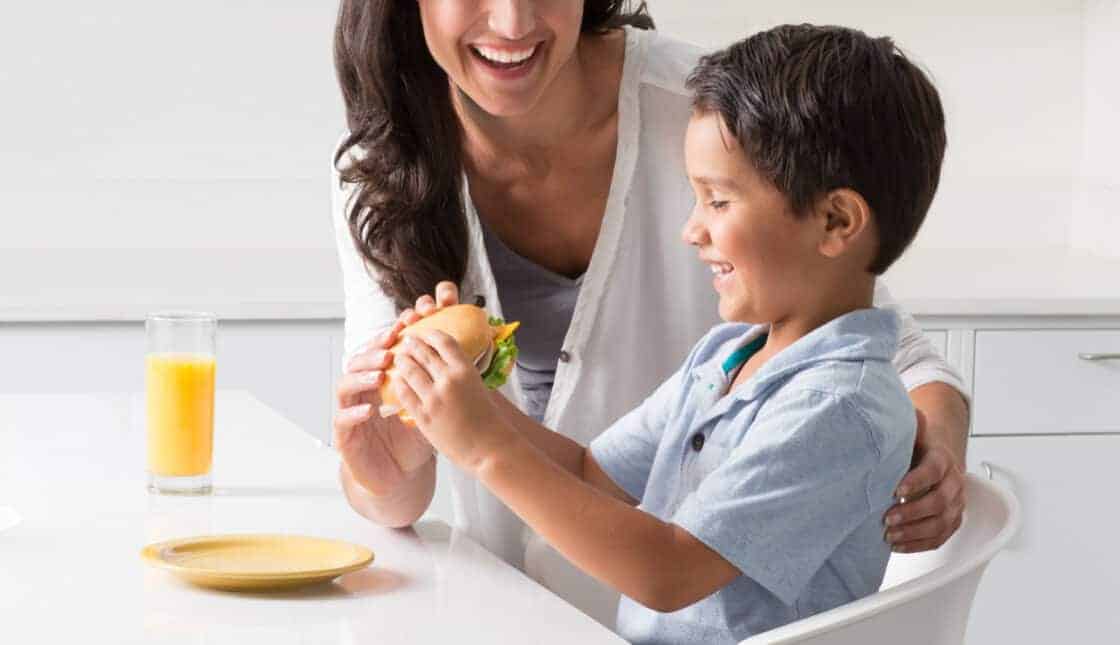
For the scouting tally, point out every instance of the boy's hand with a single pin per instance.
(443, 392)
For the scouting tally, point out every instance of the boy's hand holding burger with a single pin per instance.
(442, 369)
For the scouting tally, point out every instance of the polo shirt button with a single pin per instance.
(565, 356)
(480, 301)
(698, 441)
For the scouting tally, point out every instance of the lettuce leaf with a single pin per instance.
(505, 356)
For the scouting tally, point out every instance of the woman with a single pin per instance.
(529, 152)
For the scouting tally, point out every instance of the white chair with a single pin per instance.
(925, 598)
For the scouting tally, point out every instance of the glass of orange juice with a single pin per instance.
(179, 378)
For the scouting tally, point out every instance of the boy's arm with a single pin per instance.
(569, 455)
(658, 564)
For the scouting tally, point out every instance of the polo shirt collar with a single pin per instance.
(864, 334)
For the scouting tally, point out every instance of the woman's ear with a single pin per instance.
(846, 219)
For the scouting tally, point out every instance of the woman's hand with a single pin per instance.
(934, 497)
(442, 390)
(381, 453)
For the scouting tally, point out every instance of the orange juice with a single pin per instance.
(180, 413)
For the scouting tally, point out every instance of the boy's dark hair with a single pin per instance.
(821, 108)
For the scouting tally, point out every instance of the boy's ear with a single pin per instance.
(845, 216)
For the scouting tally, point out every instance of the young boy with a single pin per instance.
(746, 492)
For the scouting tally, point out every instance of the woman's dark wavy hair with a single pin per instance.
(404, 147)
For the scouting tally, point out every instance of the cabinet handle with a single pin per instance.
(1098, 357)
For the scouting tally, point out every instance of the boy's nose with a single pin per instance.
(693, 232)
(512, 19)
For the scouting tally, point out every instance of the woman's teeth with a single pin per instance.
(504, 56)
(721, 269)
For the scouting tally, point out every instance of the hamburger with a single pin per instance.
(489, 341)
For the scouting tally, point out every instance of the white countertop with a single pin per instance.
(124, 285)
(72, 468)
(1041, 282)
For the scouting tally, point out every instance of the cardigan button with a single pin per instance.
(565, 356)
(698, 441)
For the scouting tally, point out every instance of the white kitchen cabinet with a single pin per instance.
(1057, 581)
(1047, 422)
(1045, 381)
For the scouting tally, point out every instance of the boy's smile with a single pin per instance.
(759, 251)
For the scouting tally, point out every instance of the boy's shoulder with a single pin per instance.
(848, 371)
(869, 392)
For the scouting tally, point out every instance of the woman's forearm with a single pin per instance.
(399, 508)
(946, 416)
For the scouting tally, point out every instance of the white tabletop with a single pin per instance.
(71, 468)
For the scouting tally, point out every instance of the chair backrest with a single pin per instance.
(925, 598)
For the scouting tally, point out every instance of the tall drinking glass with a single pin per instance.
(179, 378)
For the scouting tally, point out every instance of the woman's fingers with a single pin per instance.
(378, 359)
(924, 536)
(389, 337)
(408, 316)
(447, 294)
(930, 519)
(347, 419)
(425, 305)
(353, 384)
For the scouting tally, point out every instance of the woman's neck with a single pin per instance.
(583, 96)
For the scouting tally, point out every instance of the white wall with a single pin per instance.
(1096, 222)
(138, 124)
(208, 124)
(1013, 79)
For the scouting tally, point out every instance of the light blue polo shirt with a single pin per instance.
(787, 476)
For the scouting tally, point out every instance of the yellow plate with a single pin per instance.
(256, 562)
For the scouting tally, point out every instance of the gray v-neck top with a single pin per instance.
(544, 302)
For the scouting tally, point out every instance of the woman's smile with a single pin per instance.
(507, 63)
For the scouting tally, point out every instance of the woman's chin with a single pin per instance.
(507, 105)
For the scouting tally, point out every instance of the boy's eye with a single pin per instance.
(717, 205)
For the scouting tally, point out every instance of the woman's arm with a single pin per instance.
(368, 310)
(401, 505)
(388, 471)
(933, 490)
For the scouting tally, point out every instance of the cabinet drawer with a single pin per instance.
(1041, 382)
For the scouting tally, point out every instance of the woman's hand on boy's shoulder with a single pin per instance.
(931, 496)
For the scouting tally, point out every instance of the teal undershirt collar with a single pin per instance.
(743, 354)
